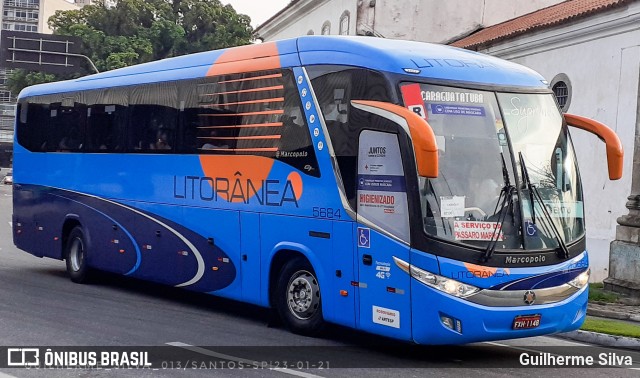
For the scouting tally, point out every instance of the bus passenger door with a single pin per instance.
(382, 233)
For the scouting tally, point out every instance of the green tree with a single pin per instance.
(21, 79)
(138, 31)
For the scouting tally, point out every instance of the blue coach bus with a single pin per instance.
(410, 190)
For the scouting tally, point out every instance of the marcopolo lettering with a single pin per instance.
(263, 192)
(291, 154)
(525, 259)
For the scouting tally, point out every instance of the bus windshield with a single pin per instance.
(481, 195)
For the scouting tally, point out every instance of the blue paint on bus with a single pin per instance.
(227, 223)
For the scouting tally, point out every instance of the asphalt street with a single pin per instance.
(40, 306)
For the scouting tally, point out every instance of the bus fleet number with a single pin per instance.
(326, 212)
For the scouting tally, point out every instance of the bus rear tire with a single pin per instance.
(76, 256)
(298, 299)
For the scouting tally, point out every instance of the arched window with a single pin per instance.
(344, 23)
(326, 28)
(561, 87)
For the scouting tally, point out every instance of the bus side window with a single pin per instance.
(106, 119)
(153, 111)
(253, 113)
(335, 87)
(34, 124)
(68, 124)
(217, 105)
(295, 146)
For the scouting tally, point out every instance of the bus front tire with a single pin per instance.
(298, 298)
(76, 256)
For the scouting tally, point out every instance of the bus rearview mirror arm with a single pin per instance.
(615, 153)
(424, 140)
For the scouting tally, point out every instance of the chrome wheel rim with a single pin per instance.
(76, 254)
(303, 295)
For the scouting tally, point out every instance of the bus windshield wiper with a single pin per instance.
(507, 201)
(534, 192)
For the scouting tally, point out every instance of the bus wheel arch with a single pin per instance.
(75, 247)
(295, 292)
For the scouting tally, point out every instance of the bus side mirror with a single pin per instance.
(615, 153)
(424, 140)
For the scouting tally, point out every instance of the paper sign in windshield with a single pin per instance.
(452, 206)
(457, 110)
(480, 231)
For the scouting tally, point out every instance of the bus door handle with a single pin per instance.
(367, 259)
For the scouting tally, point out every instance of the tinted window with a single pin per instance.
(153, 117)
(256, 113)
(33, 124)
(334, 88)
(106, 119)
(67, 121)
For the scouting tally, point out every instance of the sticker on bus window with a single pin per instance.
(452, 206)
(460, 97)
(478, 231)
(556, 209)
(474, 111)
(412, 96)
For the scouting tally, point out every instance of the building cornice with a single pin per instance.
(607, 24)
(287, 16)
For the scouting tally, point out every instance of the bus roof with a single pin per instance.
(424, 60)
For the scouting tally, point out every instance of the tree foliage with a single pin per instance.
(138, 31)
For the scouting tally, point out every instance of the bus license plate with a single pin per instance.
(526, 321)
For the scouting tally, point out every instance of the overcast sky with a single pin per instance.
(258, 10)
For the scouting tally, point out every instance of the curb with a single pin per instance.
(613, 315)
(601, 339)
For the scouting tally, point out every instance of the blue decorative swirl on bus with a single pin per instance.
(135, 245)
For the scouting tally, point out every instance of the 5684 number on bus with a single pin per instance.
(326, 213)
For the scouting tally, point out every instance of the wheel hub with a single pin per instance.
(76, 254)
(303, 295)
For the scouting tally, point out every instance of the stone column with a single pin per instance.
(624, 255)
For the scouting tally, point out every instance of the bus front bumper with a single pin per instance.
(439, 318)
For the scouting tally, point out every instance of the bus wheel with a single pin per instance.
(76, 256)
(298, 297)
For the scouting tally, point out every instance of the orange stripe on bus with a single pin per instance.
(261, 89)
(263, 77)
(266, 112)
(263, 101)
(244, 137)
(258, 57)
(251, 125)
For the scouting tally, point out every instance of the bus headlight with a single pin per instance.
(580, 281)
(447, 285)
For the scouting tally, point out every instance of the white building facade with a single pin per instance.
(598, 58)
(23, 16)
(424, 20)
(591, 57)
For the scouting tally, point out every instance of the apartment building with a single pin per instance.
(25, 16)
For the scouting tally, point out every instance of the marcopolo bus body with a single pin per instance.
(411, 190)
